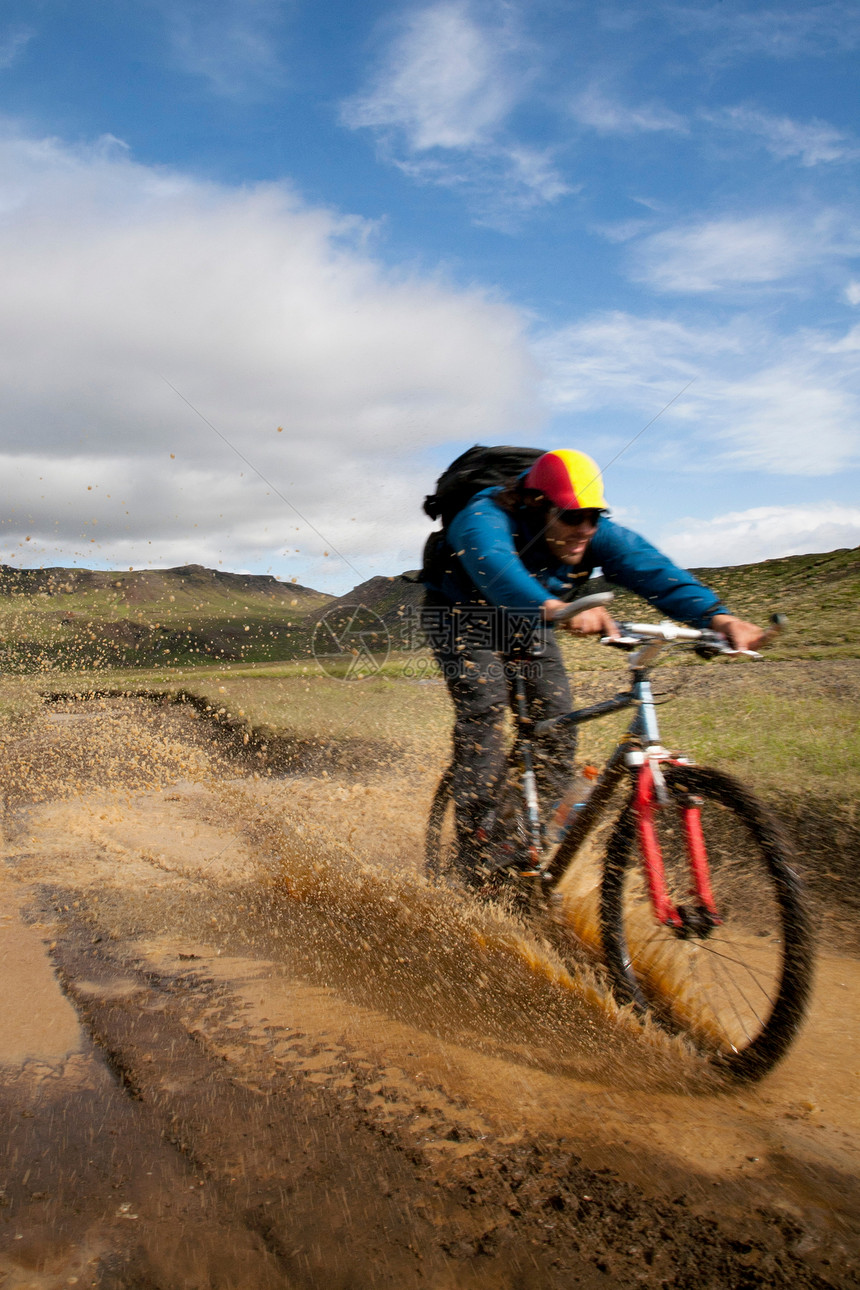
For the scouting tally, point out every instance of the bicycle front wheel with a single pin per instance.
(739, 988)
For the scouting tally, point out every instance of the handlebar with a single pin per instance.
(579, 606)
(648, 638)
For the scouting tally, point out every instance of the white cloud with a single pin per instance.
(849, 343)
(229, 43)
(852, 293)
(533, 170)
(445, 82)
(261, 312)
(158, 509)
(440, 105)
(608, 116)
(623, 230)
(762, 533)
(12, 43)
(797, 417)
(736, 253)
(784, 405)
(499, 184)
(813, 142)
(738, 32)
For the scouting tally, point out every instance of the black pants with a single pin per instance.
(480, 682)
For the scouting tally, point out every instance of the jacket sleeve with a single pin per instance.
(626, 558)
(482, 536)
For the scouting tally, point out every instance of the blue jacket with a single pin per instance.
(502, 559)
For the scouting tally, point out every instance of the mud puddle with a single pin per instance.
(251, 955)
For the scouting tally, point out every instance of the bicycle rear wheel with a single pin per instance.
(440, 842)
(738, 989)
(441, 850)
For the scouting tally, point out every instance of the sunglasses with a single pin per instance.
(578, 518)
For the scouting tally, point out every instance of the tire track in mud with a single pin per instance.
(457, 1100)
(305, 1175)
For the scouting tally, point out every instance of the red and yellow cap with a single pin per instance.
(571, 480)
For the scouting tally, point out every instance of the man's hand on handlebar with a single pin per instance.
(591, 622)
(741, 635)
(594, 619)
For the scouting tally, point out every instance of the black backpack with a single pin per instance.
(479, 467)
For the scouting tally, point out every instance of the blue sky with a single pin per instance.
(268, 266)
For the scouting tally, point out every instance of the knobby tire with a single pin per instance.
(436, 862)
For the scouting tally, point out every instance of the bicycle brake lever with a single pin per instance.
(777, 623)
(708, 649)
(716, 651)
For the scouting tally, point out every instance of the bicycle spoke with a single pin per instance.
(740, 1021)
(708, 947)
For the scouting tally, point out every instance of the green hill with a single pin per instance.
(394, 600)
(81, 618)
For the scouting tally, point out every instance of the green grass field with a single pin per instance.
(789, 730)
(786, 727)
(788, 724)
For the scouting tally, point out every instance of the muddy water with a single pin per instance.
(309, 949)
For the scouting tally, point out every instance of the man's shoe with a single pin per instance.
(505, 847)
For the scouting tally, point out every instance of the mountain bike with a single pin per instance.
(701, 919)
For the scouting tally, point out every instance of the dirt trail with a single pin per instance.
(281, 1059)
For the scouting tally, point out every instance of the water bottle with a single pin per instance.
(574, 800)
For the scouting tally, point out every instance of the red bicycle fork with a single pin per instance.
(644, 805)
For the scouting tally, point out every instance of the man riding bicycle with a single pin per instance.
(493, 591)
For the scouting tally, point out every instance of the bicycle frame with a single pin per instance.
(639, 753)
